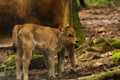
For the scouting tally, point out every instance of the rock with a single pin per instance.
(97, 64)
(100, 29)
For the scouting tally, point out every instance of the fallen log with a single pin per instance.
(113, 74)
(6, 47)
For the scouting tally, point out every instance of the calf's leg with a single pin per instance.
(18, 62)
(27, 54)
(49, 60)
(61, 62)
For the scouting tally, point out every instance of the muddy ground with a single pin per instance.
(103, 22)
(96, 22)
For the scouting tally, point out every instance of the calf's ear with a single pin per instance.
(68, 26)
(61, 28)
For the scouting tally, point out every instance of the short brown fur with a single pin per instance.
(49, 41)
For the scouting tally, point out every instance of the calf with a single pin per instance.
(49, 41)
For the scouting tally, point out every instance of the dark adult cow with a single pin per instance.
(45, 12)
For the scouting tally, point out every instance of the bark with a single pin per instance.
(76, 22)
(82, 3)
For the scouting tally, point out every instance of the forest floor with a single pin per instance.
(97, 22)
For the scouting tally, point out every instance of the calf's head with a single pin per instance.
(69, 35)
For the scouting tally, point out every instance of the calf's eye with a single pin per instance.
(70, 35)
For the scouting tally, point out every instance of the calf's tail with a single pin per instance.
(15, 37)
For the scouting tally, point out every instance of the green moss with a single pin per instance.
(114, 43)
(76, 23)
(99, 42)
(36, 54)
(10, 60)
(116, 50)
(9, 70)
(92, 77)
(116, 56)
(99, 45)
(10, 64)
(103, 3)
(107, 75)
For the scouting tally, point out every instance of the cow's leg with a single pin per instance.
(27, 53)
(18, 62)
(49, 59)
(72, 57)
(61, 62)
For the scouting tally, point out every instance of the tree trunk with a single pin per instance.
(82, 3)
(75, 22)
